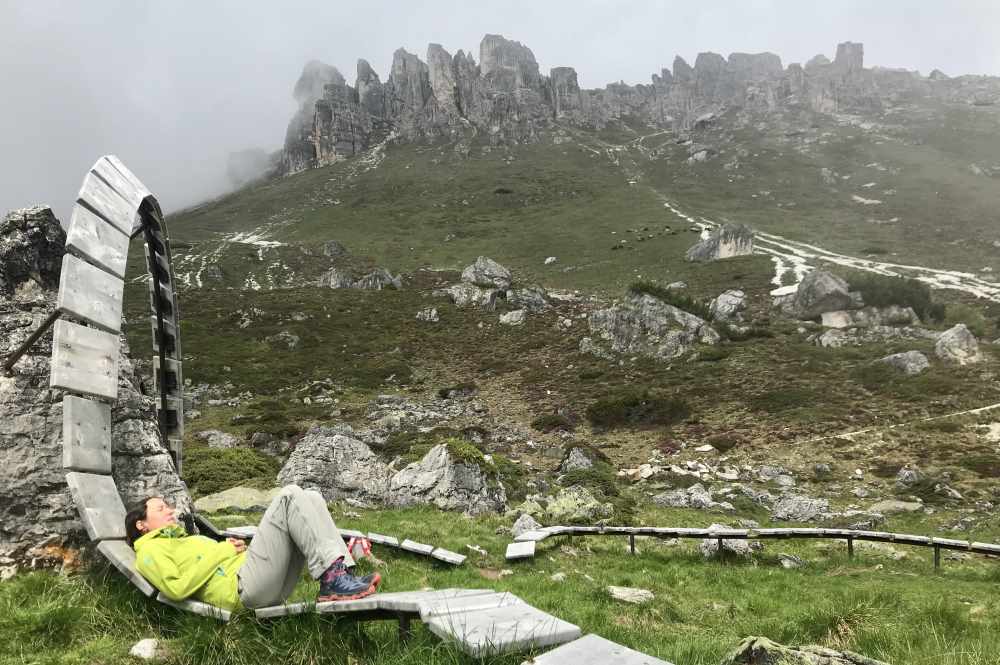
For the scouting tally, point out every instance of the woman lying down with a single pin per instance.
(296, 529)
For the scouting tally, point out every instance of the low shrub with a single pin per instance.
(986, 465)
(973, 318)
(674, 297)
(783, 399)
(883, 290)
(553, 421)
(711, 354)
(725, 442)
(636, 408)
(210, 470)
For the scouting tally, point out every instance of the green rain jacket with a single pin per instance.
(183, 566)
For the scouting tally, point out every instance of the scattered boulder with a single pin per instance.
(709, 547)
(575, 461)
(630, 594)
(821, 291)
(908, 362)
(379, 279)
(762, 651)
(448, 483)
(822, 471)
(576, 505)
(268, 443)
(532, 298)
(465, 295)
(217, 439)
(695, 496)
(336, 278)
(650, 327)
(724, 242)
(958, 346)
(799, 508)
(487, 273)
(429, 314)
(337, 466)
(514, 318)
(237, 499)
(728, 305)
(866, 317)
(524, 524)
(334, 249)
(908, 476)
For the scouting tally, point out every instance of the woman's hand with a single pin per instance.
(238, 545)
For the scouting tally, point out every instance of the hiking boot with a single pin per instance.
(337, 583)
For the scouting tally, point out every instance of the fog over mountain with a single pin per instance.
(175, 88)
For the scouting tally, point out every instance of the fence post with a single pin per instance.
(850, 547)
(937, 556)
(631, 543)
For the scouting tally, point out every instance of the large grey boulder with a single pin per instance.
(821, 291)
(696, 496)
(36, 508)
(958, 346)
(709, 547)
(650, 327)
(576, 460)
(487, 273)
(337, 466)
(728, 305)
(576, 505)
(762, 651)
(799, 508)
(379, 279)
(724, 242)
(908, 362)
(893, 315)
(464, 294)
(447, 483)
(336, 278)
(532, 298)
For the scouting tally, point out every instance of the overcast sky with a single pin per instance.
(172, 87)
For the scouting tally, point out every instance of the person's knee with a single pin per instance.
(291, 490)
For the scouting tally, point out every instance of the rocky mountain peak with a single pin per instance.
(312, 82)
(508, 65)
(850, 57)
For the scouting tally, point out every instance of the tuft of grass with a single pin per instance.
(783, 399)
(551, 422)
(210, 470)
(674, 297)
(636, 409)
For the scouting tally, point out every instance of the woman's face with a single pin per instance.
(158, 514)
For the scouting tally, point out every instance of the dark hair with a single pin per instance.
(135, 514)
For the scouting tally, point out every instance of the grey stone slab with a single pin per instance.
(99, 505)
(595, 650)
(416, 548)
(347, 534)
(379, 539)
(276, 611)
(410, 601)
(91, 294)
(84, 360)
(122, 556)
(86, 435)
(475, 603)
(197, 607)
(97, 240)
(129, 190)
(533, 536)
(106, 202)
(524, 550)
(503, 630)
(448, 556)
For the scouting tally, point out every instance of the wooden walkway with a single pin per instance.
(523, 546)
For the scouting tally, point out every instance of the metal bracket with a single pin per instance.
(8, 364)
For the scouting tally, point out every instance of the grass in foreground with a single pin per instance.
(897, 611)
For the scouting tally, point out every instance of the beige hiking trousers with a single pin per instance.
(296, 530)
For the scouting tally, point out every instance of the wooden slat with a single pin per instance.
(126, 188)
(91, 294)
(99, 505)
(158, 266)
(166, 298)
(448, 556)
(416, 548)
(347, 534)
(97, 240)
(276, 611)
(122, 556)
(379, 539)
(84, 360)
(106, 202)
(197, 607)
(174, 376)
(522, 550)
(126, 172)
(346, 606)
(175, 416)
(594, 650)
(503, 630)
(411, 601)
(533, 536)
(86, 435)
(445, 606)
(169, 333)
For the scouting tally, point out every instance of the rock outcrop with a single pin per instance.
(448, 483)
(724, 242)
(958, 346)
(506, 99)
(819, 292)
(762, 651)
(337, 466)
(38, 519)
(908, 362)
(647, 326)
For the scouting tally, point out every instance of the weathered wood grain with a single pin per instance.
(197, 607)
(99, 505)
(97, 240)
(122, 556)
(86, 435)
(503, 630)
(106, 202)
(84, 360)
(91, 294)
(129, 190)
(594, 650)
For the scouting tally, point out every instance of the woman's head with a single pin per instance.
(148, 515)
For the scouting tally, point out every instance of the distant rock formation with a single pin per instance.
(724, 242)
(507, 99)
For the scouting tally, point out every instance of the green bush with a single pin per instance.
(725, 442)
(635, 408)
(882, 291)
(551, 422)
(210, 470)
(972, 317)
(673, 297)
(986, 465)
(711, 354)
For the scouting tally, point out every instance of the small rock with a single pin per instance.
(822, 471)
(514, 318)
(908, 476)
(790, 561)
(549, 260)
(630, 595)
(429, 315)
(890, 506)
(958, 346)
(707, 448)
(148, 649)
(910, 363)
(558, 577)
